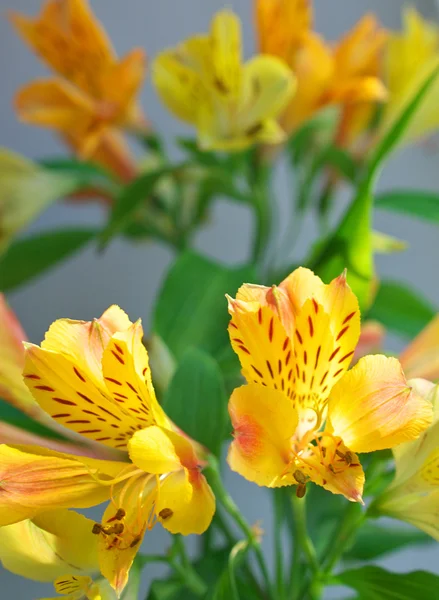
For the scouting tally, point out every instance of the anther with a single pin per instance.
(300, 477)
(165, 513)
(97, 528)
(135, 541)
(120, 514)
(301, 490)
(115, 529)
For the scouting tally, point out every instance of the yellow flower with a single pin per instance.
(295, 343)
(94, 379)
(95, 91)
(411, 57)
(413, 496)
(232, 105)
(347, 75)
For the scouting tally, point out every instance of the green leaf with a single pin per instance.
(191, 309)
(87, 172)
(227, 587)
(31, 256)
(26, 190)
(415, 203)
(131, 198)
(401, 309)
(343, 162)
(196, 399)
(375, 540)
(13, 416)
(374, 583)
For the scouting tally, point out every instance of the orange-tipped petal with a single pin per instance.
(421, 357)
(186, 503)
(264, 423)
(373, 407)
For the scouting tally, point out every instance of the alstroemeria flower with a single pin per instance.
(303, 416)
(413, 496)
(347, 74)
(94, 378)
(412, 56)
(232, 105)
(95, 91)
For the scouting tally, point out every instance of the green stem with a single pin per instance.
(262, 209)
(352, 519)
(278, 505)
(184, 568)
(229, 505)
(302, 537)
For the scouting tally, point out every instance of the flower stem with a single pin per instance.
(352, 519)
(278, 522)
(258, 177)
(229, 505)
(302, 537)
(184, 568)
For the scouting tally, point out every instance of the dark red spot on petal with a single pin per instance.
(349, 317)
(270, 369)
(84, 397)
(78, 421)
(345, 357)
(91, 431)
(284, 347)
(130, 385)
(323, 378)
(78, 374)
(299, 337)
(62, 401)
(305, 357)
(311, 326)
(338, 372)
(316, 306)
(119, 358)
(118, 348)
(342, 332)
(317, 356)
(31, 376)
(270, 329)
(257, 371)
(260, 315)
(244, 349)
(44, 388)
(60, 415)
(336, 351)
(113, 380)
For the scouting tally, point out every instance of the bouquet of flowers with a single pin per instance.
(265, 368)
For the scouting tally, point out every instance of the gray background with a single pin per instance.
(129, 275)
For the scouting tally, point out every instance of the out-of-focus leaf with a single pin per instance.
(191, 309)
(84, 171)
(131, 199)
(229, 585)
(31, 256)
(342, 161)
(26, 190)
(374, 540)
(415, 203)
(9, 414)
(386, 244)
(196, 399)
(401, 309)
(374, 583)
(317, 132)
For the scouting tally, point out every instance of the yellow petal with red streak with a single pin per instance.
(421, 357)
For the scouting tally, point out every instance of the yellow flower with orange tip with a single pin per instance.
(77, 587)
(95, 91)
(302, 415)
(413, 496)
(232, 105)
(94, 378)
(347, 75)
(412, 56)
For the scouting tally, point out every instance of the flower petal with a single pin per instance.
(125, 366)
(123, 526)
(264, 423)
(420, 511)
(225, 43)
(262, 345)
(74, 586)
(186, 503)
(372, 407)
(35, 480)
(154, 450)
(421, 357)
(180, 87)
(70, 40)
(64, 392)
(333, 466)
(12, 387)
(301, 285)
(49, 545)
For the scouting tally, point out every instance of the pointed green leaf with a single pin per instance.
(191, 309)
(401, 309)
(29, 257)
(374, 583)
(414, 203)
(196, 399)
(376, 540)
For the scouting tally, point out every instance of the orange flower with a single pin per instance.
(95, 93)
(302, 415)
(346, 75)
